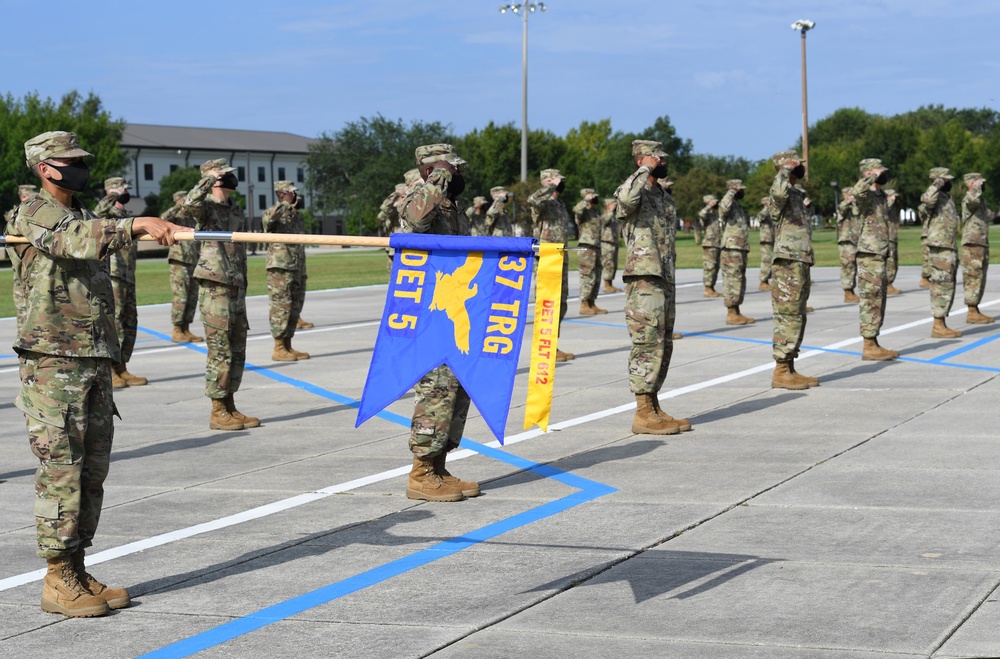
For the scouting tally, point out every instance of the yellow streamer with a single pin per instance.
(545, 338)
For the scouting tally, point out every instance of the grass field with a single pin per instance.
(356, 267)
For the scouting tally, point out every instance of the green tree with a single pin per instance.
(678, 149)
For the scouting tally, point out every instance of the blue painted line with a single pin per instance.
(967, 348)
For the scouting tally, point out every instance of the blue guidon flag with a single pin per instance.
(458, 301)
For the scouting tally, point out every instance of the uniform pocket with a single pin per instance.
(47, 508)
(40, 407)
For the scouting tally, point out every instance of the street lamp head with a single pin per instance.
(803, 25)
(834, 184)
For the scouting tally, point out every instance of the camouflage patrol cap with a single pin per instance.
(972, 176)
(782, 156)
(498, 191)
(551, 173)
(642, 148)
(765, 200)
(587, 192)
(27, 189)
(180, 194)
(285, 186)
(709, 198)
(219, 163)
(431, 153)
(889, 192)
(610, 200)
(53, 144)
(664, 182)
(116, 182)
(400, 188)
(845, 191)
(870, 164)
(941, 172)
(735, 184)
(476, 201)
(411, 175)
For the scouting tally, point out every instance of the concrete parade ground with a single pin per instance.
(857, 519)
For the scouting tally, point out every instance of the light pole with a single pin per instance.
(524, 9)
(836, 206)
(803, 26)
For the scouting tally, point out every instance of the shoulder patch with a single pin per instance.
(43, 213)
(32, 207)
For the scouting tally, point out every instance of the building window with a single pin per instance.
(262, 201)
(147, 171)
(300, 175)
(173, 168)
(241, 173)
(281, 173)
(261, 175)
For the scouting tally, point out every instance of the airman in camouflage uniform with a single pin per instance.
(222, 280)
(498, 222)
(66, 345)
(790, 278)
(609, 245)
(925, 268)
(847, 243)
(711, 244)
(551, 220)
(649, 286)
(286, 272)
(388, 217)
(766, 243)
(942, 248)
(975, 254)
(441, 402)
(872, 252)
(24, 192)
(588, 231)
(892, 264)
(182, 258)
(735, 248)
(476, 216)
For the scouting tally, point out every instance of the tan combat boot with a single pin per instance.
(564, 356)
(808, 379)
(974, 317)
(425, 485)
(596, 309)
(298, 353)
(783, 378)
(647, 421)
(303, 324)
(117, 598)
(892, 290)
(281, 353)
(941, 331)
(130, 380)
(732, 317)
(873, 352)
(469, 488)
(746, 320)
(191, 336)
(611, 288)
(117, 381)
(178, 335)
(676, 336)
(63, 593)
(221, 419)
(710, 292)
(682, 424)
(850, 296)
(764, 286)
(247, 421)
(925, 282)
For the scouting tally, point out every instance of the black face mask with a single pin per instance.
(75, 177)
(456, 186)
(124, 198)
(799, 171)
(946, 187)
(561, 186)
(229, 181)
(883, 178)
(660, 171)
(739, 194)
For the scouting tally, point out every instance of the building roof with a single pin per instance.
(213, 139)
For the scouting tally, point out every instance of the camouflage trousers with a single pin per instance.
(848, 265)
(944, 267)
(439, 413)
(224, 313)
(590, 272)
(286, 293)
(733, 263)
(650, 309)
(790, 282)
(185, 291)
(710, 265)
(126, 316)
(872, 282)
(975, 262)
(609, 261)
(68, 406)
(892, 262)
(766, 255)
(925, 270)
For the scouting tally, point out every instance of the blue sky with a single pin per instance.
(727, 72)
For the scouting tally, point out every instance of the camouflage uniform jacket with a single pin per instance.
(388, 215)
(588, 223)
(793, 235)
(925, 218)
(847, 224)
(642, 209)
(426, 209)
(477, 222)
(122, 262)
(711, 226)
(976, 217)
(892, 207)
(873, 217)
(184, 251)
(735, 222)
(549, 215)
(284, 218)
(498, 223)
(609, 230)
(69, 303)
(766, 227)
(942, 218)
(671, 212)
(223, 263)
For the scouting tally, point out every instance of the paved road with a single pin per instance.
(853, 520)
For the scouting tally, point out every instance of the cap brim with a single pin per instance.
(456, 161)
(72, 153)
